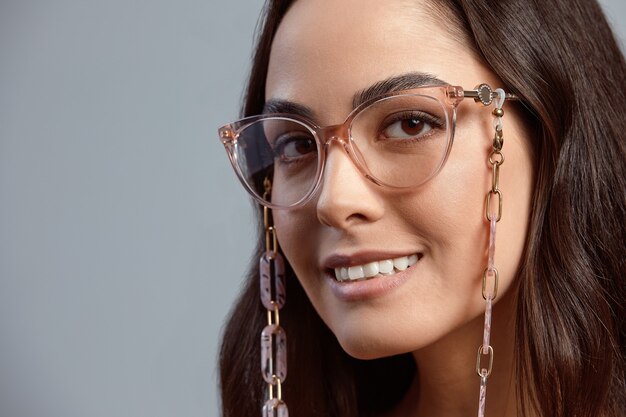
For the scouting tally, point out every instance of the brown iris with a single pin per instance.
(412, 127)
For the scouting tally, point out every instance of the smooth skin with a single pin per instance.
(324, 53)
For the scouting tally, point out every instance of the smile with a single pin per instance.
(373, 269)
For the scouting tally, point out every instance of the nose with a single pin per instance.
(346, 197)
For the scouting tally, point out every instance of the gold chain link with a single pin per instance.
(479, 356)
(496, 158)
(271, 242)
(496, 278)
(273, 318)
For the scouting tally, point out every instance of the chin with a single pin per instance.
(380, 340)
(363, 352)
(367, 347)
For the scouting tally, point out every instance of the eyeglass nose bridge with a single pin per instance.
(341, 135)
(338, 133)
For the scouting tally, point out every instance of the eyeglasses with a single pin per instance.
(398, 140)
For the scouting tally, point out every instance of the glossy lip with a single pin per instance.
(367, 288)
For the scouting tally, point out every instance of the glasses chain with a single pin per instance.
(273, 337)
(493, 215)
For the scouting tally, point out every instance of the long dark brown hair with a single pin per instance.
(561, 58)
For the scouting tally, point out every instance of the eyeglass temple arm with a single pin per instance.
(485, 95)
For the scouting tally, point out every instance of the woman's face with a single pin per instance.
(324, 53)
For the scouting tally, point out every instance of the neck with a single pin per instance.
(447, 383)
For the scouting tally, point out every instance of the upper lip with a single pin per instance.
(339, 260)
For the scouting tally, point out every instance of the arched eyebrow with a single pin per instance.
(389, 85)
(397, 83)
(277, 105)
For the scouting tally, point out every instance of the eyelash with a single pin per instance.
(282, 143)
(433, 121)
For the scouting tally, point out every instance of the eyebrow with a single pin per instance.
(277, 105)
(389, 85)
(398, 83)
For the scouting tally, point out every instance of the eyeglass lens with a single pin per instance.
(401, 141)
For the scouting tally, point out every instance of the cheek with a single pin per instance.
(452, 204)
(301, 253)
(299, 237)
(459, 234)
(288, 227)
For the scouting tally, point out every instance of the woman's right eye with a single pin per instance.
(292, 147)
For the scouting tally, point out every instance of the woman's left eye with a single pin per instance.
(406, 127)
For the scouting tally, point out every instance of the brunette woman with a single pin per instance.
(443, 184)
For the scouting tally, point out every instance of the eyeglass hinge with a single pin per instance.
(482, 93)
(226, 134)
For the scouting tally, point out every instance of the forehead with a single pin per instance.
(326, 50)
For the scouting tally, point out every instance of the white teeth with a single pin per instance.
(369, 270)
(344, 273)
(355, 272)
(386, 266)
(401, 263)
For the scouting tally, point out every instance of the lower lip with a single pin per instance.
(368, 288)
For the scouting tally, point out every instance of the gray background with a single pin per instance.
(123, 233)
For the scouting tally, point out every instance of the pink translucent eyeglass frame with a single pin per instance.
(452, 97)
